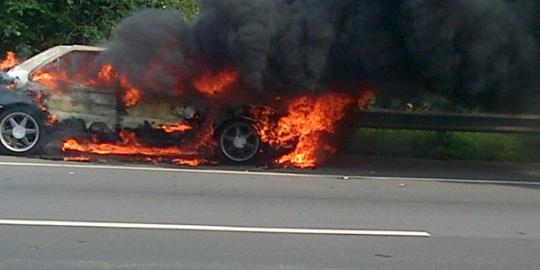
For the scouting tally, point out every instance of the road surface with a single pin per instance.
(56, 215)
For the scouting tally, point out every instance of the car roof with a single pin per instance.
(48, 56)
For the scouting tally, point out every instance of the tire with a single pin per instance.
(21, 131)
(238, 142)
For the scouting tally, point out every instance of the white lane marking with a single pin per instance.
(258, 173)
(208, 228)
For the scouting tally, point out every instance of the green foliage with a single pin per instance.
(445, 145)
(498, 147)
(29, 26)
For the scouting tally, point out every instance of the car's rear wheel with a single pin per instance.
(238, 142)
(20, 131)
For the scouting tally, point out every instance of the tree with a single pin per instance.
(29, 26)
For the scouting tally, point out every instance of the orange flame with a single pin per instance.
(213, 84)
(106, 75)
(189, 162)
(9, 61)
(301, 128)
(77, 159)
(182, 127)
(51, 120)
(39, 101)
(367, 96)
(46, 78)
(129, 146)
(132, 97)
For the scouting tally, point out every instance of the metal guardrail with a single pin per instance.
(496, 123)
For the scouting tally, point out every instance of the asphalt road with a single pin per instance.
(470, 225)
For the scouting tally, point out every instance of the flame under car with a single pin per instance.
(54, 87)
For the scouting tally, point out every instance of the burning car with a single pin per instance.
(64, 84)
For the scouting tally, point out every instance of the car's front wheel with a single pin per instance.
(238, 142)
(21, 131)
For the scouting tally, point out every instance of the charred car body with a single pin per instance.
(28, 107)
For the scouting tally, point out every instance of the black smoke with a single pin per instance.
(482, 54)
(477, 52)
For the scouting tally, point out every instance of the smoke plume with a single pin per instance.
(484, 54)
